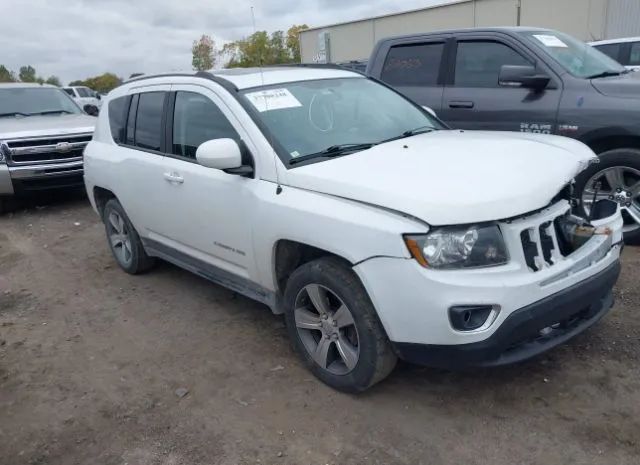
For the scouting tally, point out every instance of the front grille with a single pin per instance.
(542, 243)
(50, 149)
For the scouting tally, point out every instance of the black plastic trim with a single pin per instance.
(512, 342)
(212, 273)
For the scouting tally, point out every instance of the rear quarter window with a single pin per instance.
(118, 110)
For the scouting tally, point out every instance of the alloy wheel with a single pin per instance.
(620, 184)
(327, 329)
(119, 238)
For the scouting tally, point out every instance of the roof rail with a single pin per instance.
(308, 65)
(200, 74)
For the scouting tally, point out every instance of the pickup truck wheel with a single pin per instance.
(618, 175)
(334, 327)
(124, 242)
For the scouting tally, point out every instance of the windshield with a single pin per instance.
(28, 101)
(578, 58)
(308, 117)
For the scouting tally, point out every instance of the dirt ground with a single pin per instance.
(91, 358)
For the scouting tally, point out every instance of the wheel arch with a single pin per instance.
(288, 255)
(605, 139)
(101, 196)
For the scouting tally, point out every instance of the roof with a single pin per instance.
(245, 78)
(623, 40)
(503, 29)
(14, 85)
(399, 13)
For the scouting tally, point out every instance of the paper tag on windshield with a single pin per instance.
(550, 41)
(273, 99)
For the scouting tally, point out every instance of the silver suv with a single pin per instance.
(43, 133)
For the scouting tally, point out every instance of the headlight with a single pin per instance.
(459, 247)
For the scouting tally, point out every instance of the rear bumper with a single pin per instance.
(16, 180)
(562, 316)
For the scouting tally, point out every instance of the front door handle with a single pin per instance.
(173, 178)
(461, 104)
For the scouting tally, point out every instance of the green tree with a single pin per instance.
(204, 53)
(258, 49)
(103, 83)
(27, 74)
(293, 41)
(6, 75)
(54, 81)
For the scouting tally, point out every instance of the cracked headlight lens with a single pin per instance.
(459, 247)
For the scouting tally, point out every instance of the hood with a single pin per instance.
(46, 125)
(623, 86)
(452, 177)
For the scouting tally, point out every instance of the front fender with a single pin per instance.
(351, 230)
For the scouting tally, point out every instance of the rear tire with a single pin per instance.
(618, 169)
(326, 307)
(124, 241)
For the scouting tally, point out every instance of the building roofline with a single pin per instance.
(387, 15)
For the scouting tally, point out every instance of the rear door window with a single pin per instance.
(148, 129)
(478, 63)
(413, 65)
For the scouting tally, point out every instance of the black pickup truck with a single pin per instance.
(529, 80)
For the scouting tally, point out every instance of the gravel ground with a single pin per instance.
(91, 360)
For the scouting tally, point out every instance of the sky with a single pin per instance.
(76, 39)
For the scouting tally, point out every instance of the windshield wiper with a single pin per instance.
(333, 151)
(607, 74)
(411, 132)
(14, 113)
(51, 112)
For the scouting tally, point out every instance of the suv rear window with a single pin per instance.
(148, 131)
(118, 109)
(413, 65)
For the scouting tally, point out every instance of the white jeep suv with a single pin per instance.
(378, 232)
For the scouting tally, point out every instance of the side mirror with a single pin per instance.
(222, 154)
(430, 111)
(523, 76)
(98, 97)
(91, 109)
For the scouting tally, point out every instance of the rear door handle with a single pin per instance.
(173, 178)
(461, 104)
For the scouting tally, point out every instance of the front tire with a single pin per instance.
(618, 174)
(334, 327)
(124, 241)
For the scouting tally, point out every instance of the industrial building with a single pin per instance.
(586, 19)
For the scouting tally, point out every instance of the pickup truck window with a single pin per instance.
(478, 63)
(413, 65)
(84, 92)
(578, 58)
(148, 132)
(28, 101)
(634, 59)
(611, 50)
(308, 117)
(196, 119)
